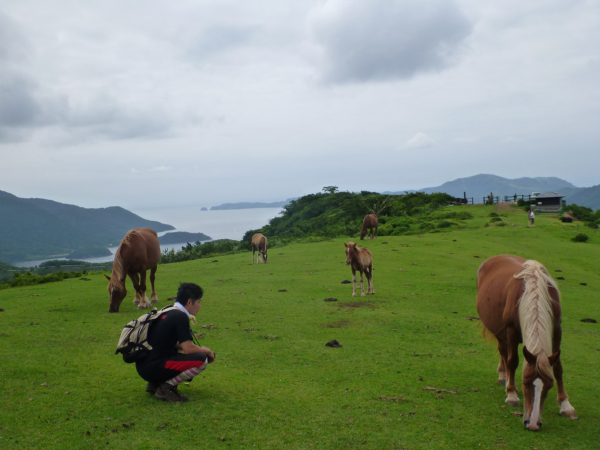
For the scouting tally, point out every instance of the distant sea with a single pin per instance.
(224, 224)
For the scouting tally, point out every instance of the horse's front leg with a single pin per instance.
(135, 280)
(512, 362)
(362, 284)
(563, 399)
(253, 250)
(371, 289)
(144, 302)
(153, 297)
(353, 282)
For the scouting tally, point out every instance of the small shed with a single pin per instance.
(548, 202)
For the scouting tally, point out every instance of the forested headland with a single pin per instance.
(34, 228)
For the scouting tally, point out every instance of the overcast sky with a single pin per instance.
(135, 103)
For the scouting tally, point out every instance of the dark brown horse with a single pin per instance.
(519, 302)
(370, 222)
(138, 252)
(360, 259)
(259, 242)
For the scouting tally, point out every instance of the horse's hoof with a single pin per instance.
(513, 403)
(501, 382)
(569, 414)
(143, 307)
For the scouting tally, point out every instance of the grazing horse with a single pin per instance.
(519, 302)
(360, 259)
(370, 222)
(259, 242)
(138, 252)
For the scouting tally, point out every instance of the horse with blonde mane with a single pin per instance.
(138, 252)
(519, 302)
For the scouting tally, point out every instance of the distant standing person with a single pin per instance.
(531, 218)
(165, 367)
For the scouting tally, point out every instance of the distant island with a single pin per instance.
(179, 237)
(36, 228)
(251, 205)
(204, 208)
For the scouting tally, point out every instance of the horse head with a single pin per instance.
(537, 381)
(117, 293)
(363, 232)
(350, 248)
(265, 256)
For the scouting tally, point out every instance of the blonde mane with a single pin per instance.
(535, 313)
(118, 263)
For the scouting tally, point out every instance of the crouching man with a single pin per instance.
(165, 367)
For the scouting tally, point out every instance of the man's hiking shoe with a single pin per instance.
(169, 393)
(152, 387)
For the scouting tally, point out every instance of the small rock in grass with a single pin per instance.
(331, 299)
(589, 320)
(282, 290)
(346, 282)
(334, 343)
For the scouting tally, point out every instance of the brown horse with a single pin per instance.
(360, 259)
(370, 222)
(259, 242)
(138, 252)
(519, 302)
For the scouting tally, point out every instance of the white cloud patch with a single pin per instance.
(382, 40)
(419, 140)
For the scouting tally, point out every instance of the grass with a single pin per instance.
(275, 384)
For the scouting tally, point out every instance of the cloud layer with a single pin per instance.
(383, 40)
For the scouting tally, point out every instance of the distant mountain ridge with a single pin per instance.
(36, 228)
(589, 197)
(479, 186)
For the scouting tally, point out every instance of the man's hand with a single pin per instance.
(208, 352)
(189, 347)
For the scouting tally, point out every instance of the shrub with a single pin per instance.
(444, 224)
(496, 219)
(580, 237)
(493, 214)
(593, 225)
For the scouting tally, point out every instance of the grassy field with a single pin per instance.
(275, 384)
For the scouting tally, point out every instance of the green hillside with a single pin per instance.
(37, 228)
(275, 384)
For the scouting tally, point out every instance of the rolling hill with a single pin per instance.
(38, 228)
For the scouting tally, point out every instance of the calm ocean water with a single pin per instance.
(230, 224)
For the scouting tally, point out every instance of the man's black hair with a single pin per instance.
(189, 291)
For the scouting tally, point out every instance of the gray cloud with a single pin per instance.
(383, 40)
(221, 38)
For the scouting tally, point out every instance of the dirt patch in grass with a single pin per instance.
(354, 305)
(343, 323)
(503, 206)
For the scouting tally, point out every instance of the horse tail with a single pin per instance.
(487, 336)
(535, 308)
